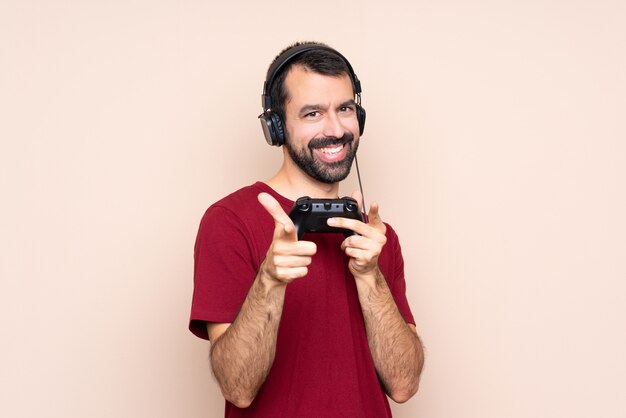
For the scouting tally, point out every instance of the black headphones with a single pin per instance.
(271, 122)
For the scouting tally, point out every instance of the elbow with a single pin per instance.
(403, 394)
(236, 395)
(240, 401)
(239, 397)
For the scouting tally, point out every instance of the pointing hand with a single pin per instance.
(287, 258)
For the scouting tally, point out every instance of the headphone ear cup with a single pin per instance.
(360, 116)
(272, 128)
(279, 139)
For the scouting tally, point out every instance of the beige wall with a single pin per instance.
(495, 144)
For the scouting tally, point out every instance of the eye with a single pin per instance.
(312, 115)
(346, 109)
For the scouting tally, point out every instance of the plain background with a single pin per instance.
(495, 145)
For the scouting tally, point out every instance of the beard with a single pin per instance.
(321, 171)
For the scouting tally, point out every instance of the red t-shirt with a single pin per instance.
(323, 366)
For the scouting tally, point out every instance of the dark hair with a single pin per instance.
(321, 61)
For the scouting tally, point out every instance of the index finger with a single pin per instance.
(282, 222)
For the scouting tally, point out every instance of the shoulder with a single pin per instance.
(239, 199)
(238, 218)
(243, 205)
(230, 213)
(240, 204)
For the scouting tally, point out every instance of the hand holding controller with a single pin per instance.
(311, 215)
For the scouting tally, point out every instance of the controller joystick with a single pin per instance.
(311, 215)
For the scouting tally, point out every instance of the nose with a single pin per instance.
(333, 126)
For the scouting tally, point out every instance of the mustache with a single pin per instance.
(330, 141)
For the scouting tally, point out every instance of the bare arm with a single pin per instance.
(242, 353)
(395, 347)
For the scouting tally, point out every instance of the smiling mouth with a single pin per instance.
(331, 154)
(332, 150)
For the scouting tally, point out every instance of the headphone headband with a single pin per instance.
(272, 72)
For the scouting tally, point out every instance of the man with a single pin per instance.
(318, 327)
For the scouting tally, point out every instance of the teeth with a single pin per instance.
(333, 150)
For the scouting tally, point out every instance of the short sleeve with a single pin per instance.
(223, 269)
(397, 283)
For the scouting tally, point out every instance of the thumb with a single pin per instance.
(374, 214)
(283, 225)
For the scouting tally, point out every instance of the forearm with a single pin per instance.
(396, 349)
(241, 358)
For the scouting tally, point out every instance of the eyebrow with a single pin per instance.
(313, 107)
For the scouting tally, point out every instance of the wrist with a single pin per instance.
(373, 290)
(267, 281)
(369, 280)
(267, 291)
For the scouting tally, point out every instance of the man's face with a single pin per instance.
(321, 126)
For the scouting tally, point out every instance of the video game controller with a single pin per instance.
(310, 215)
